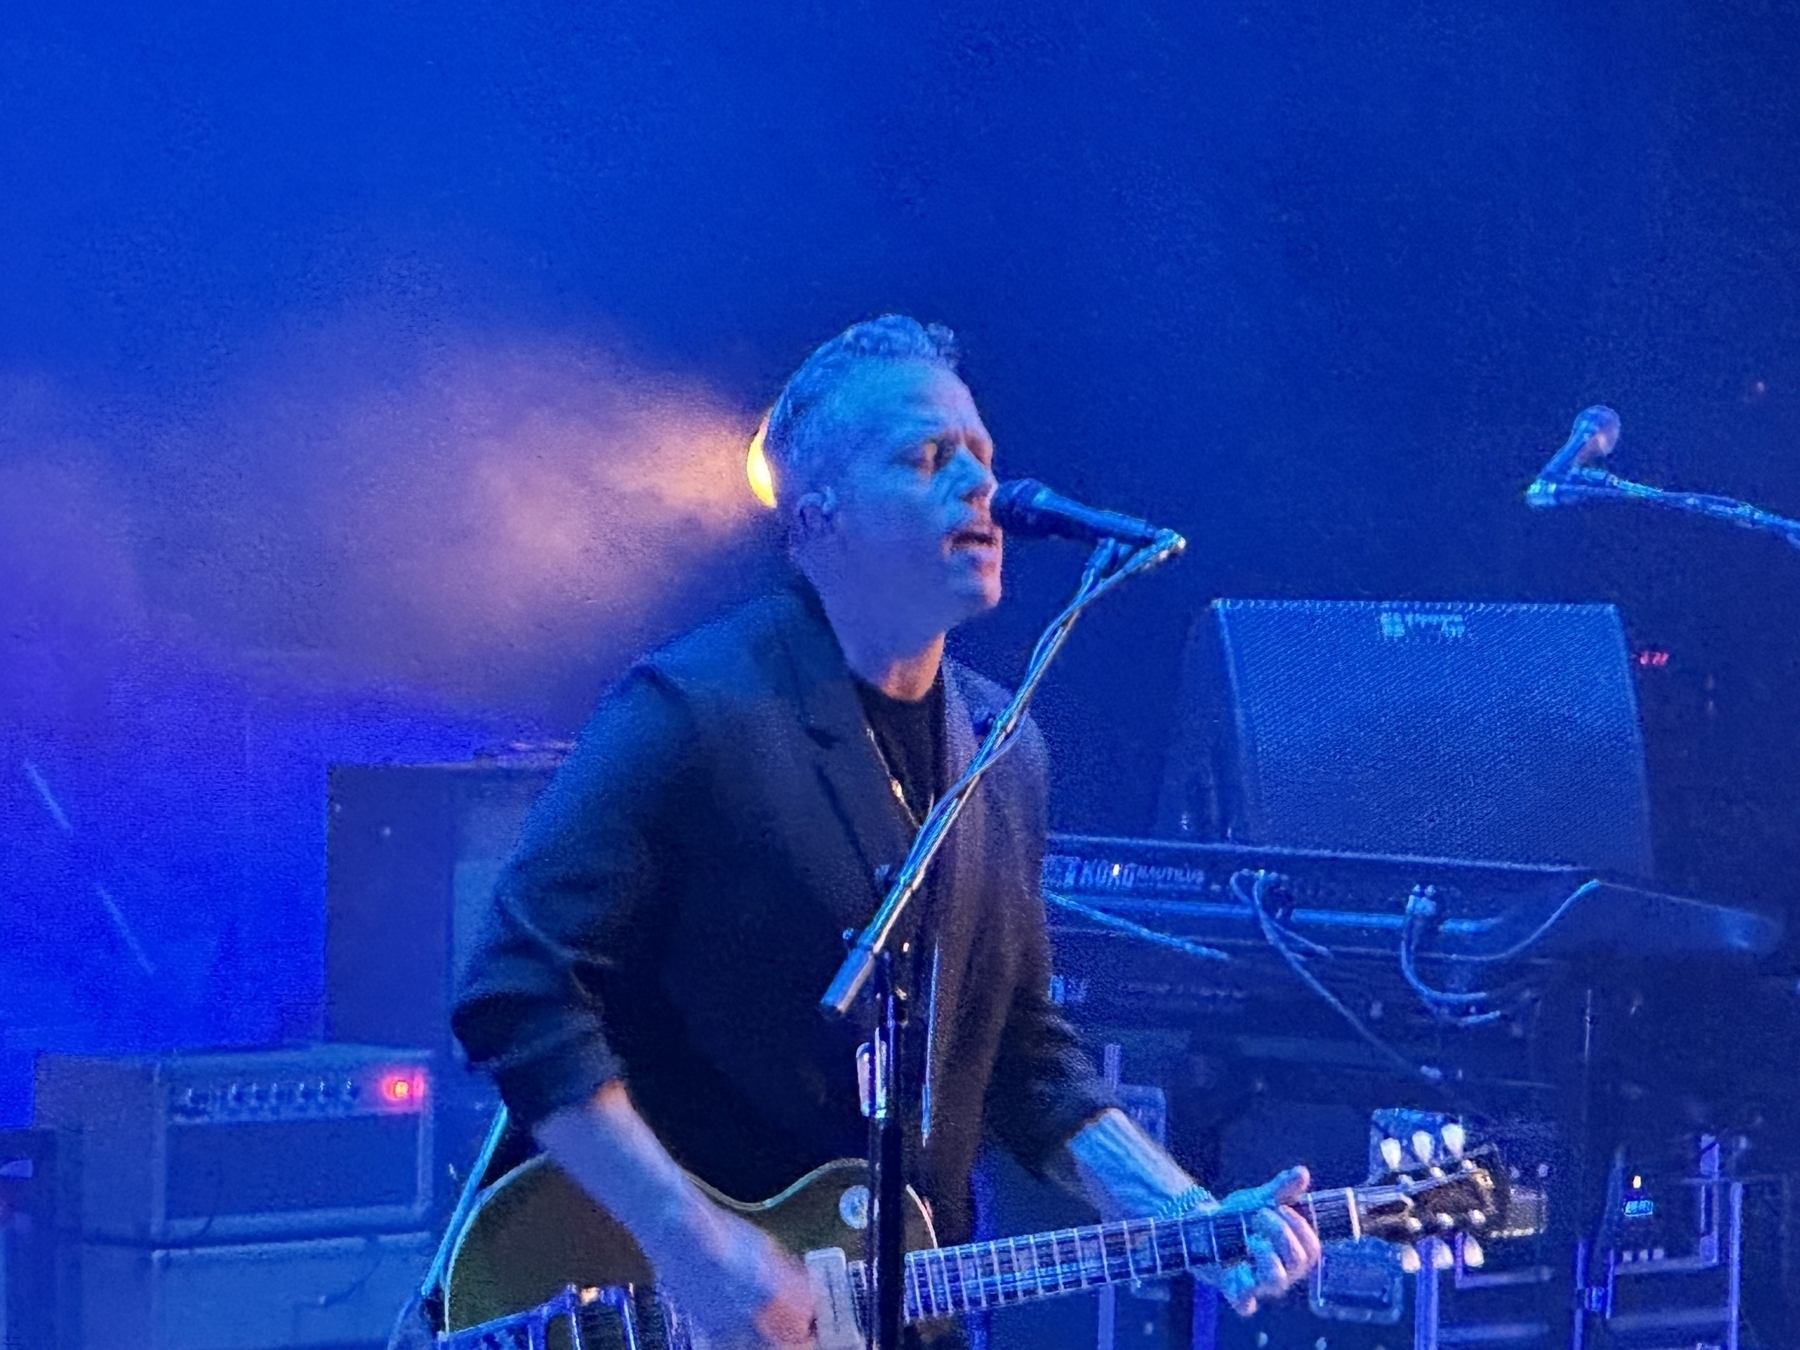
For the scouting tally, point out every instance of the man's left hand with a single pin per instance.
(1283, 1246)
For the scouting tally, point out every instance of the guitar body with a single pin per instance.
(535, 1232)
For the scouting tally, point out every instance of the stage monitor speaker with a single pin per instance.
(226, 1147)
(1501, 732)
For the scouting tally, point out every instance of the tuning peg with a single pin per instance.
(1446, 1222)
(1409, 1260)
(1424, 1146)
(1442, 1258)
(1391, 1154)
(1454, 1138)
(1472, 1255)
(1477, 1219)
(1413, 1224)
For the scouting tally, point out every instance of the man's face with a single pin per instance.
(911, 528)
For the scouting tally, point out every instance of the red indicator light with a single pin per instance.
(402, 1089)
(1652, 658)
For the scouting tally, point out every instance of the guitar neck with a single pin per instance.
(976, 1276)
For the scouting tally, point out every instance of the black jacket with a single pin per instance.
(677, 903)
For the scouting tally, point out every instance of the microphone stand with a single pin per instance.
(1585, 484)
(870, 962)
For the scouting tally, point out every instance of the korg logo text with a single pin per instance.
(1397, 623)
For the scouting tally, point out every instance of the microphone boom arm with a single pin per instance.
(1578, 485)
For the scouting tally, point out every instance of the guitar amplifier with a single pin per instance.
(240, 1146)
(1501, 732)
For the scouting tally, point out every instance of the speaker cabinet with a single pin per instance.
(341, 1293)
(413, 851)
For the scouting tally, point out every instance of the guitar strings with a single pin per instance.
(992, 1279)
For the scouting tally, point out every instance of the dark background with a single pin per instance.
(374, 380)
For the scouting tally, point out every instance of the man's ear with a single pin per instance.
(814, 511)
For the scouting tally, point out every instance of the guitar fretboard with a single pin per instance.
(976, 1276)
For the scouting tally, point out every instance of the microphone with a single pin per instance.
(1595, 433)
(1025, 507)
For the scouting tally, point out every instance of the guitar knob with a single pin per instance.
(1442, 1258)
(1424, 1146)
(1391, 1154)
(1413, 1224)
(853, 1207)
(1472, 1255)
(1409, 1260)
(1446, 1222)
(1477, 1219)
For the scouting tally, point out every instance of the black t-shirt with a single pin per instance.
(911, 739)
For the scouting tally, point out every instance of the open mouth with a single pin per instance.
(975, 536)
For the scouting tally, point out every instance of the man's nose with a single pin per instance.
(978, 479)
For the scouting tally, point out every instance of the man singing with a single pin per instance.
(647, 994)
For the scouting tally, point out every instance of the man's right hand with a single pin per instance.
(734, 1283)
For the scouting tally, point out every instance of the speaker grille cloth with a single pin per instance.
(1495, 731)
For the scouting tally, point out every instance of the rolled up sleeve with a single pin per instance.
(1044, 1087)
(575, 901)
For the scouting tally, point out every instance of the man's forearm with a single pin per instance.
(734, 1281)
(611, 1153)
(1119, 1169)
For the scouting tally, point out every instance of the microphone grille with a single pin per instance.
(1013, 497)
(1599, 428)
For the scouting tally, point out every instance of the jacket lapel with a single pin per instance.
(959, 884)
(844, 757)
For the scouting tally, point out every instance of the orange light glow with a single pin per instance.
(756, 467)
(402, 1089)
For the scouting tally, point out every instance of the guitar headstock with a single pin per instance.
(1429, 1184)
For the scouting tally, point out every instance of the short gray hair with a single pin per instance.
(797, 442)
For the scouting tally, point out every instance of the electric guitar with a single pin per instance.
(539, 1260)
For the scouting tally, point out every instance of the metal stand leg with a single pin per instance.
(878, 1066)
(1425, 1299)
